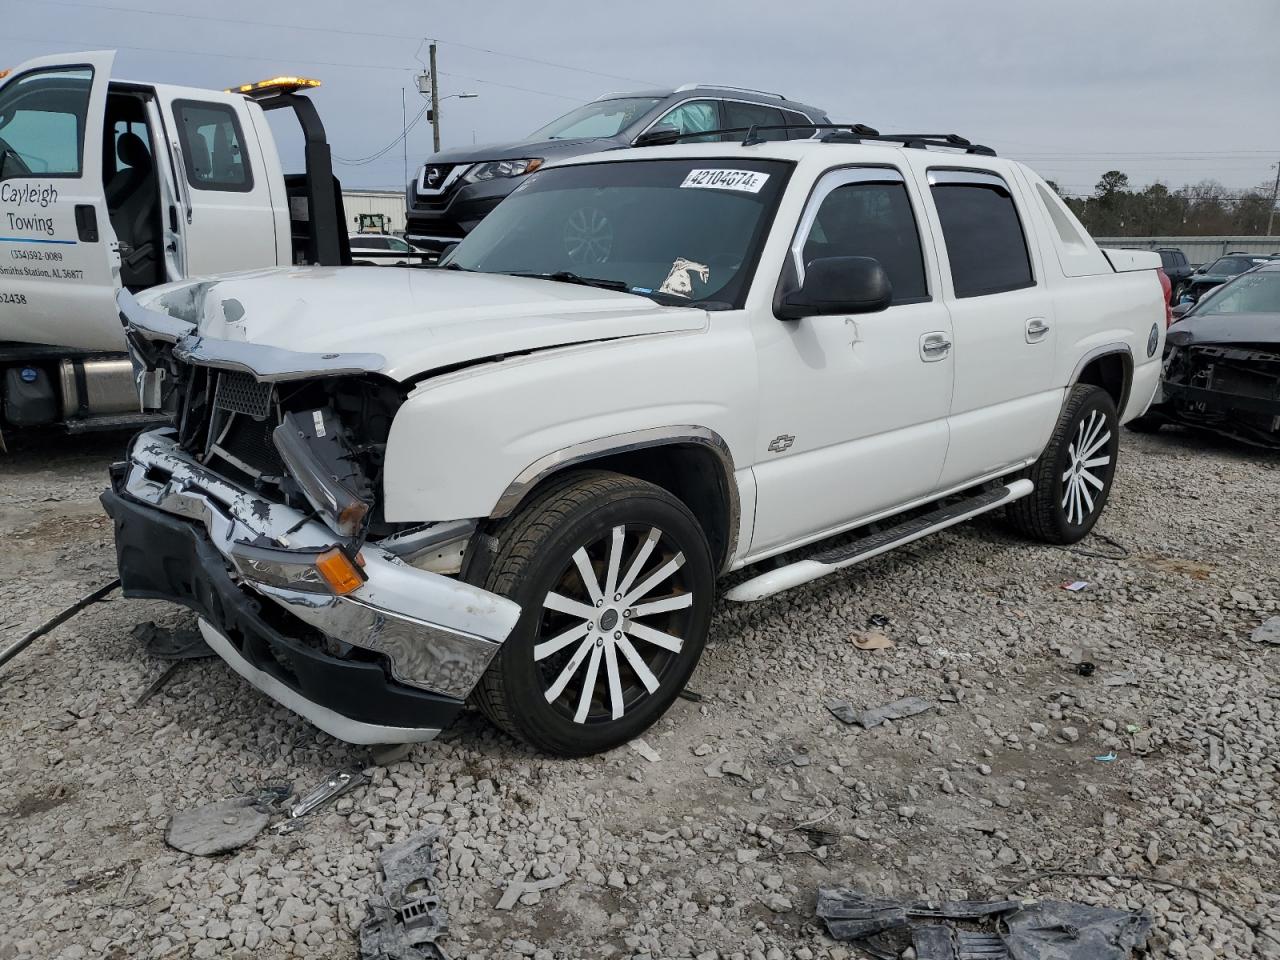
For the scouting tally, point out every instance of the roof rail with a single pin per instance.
(685, 87)
(839, 133)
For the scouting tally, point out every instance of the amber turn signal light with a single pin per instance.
(338, 571)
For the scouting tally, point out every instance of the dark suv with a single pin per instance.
(1176, 267)
(457, 188)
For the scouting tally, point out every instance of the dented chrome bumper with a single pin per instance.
(436, 634)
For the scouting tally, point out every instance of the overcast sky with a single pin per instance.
(1171, 90)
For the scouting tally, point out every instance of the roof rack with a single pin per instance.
(685, 87)
(838, 133)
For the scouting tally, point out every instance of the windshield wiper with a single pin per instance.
(565, 276)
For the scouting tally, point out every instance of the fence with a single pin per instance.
(1198, 249)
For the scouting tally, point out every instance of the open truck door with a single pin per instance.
(59, 260)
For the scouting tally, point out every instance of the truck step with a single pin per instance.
(829, 561)
(122, 421)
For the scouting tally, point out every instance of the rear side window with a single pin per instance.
(213, 146)
(985, 242)
(42, 119)
(872, 220)
(799, 126)
(755, 114)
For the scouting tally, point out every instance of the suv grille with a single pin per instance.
(434, 177)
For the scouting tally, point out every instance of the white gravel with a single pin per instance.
(698, 853)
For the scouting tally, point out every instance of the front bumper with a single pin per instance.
(434, 222)
(390, 662)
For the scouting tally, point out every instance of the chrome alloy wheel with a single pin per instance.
(1087, 460)
(588, 236)
(613, 624)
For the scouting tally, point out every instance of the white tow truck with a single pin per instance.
(516, 478)
(108, 184)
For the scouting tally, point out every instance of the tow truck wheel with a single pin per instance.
(1073, 474)
(615, 580)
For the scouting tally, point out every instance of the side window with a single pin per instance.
(42, 120)
(985, 243)
(212, 146)
(693, 117)
(799, 127)
(870, 219)
(398, 245)
(111, 160)
(746, 114)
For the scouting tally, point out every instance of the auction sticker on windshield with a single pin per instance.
(746, 181)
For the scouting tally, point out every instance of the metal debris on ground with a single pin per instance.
(171, 643)
(216, 827)
(898, 710)
(1106, 757)
(407, 918)
(1075, 586)
(877, 620)
(15, 648)
(158, 684)
(1268, 632)
(884, 927)
(872, 640)
(332, 787)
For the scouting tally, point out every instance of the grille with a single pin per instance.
(434, 177)
(247, 445)
(240, 393)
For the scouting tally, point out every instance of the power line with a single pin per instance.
(388, 148)
(276, 60)
(336, 30)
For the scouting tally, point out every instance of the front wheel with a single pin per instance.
(614, 579)
(1073, 475)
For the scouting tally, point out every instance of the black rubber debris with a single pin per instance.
(884, 927)
(171, 643)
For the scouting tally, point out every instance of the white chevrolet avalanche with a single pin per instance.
(515, 478)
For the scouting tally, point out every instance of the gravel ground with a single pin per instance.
(663, 859)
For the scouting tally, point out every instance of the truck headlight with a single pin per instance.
(498, 169)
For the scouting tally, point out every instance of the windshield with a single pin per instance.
(679, 231)
(603, 118)
(1256, 293)
(1232, 265)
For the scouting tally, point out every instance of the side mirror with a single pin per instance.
(835, 286)
(1180, 310)
(658, 136)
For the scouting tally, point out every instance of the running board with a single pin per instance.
(829, 561)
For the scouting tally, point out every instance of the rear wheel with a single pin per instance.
(614, 579)
(1073, 475)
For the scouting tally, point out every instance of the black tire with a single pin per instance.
(1052, 513)
(535, 557)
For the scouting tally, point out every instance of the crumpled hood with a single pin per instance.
(1226, 328)
(417, 320)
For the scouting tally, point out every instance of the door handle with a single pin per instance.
(1036, 329)
(934, 346)
(86, 223)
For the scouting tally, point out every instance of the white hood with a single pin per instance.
(416, 319)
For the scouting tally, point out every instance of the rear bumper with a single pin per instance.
(390, 662)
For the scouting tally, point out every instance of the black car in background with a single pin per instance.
(1213, 274)
(1222, 362)
(1176, 267)
(457, 188)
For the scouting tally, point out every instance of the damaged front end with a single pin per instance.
(1230, 388)
(259, 509)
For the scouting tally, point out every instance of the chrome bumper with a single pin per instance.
(437, 634)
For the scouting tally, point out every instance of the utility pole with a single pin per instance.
(1275, 193)
(435, 100)
(404, 135)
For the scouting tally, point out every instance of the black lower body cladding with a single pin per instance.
(164, 557)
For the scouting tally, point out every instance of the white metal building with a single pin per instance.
(389, 203)
(1198, 249)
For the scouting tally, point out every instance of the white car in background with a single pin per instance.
(380, 249)
(516, 478)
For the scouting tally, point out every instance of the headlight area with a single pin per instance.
(499, 169)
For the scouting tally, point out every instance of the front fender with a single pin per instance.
(470, 443)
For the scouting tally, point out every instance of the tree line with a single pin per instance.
(1206, 208)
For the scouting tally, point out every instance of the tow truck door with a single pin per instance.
(59, 260)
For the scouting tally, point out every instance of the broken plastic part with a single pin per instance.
(407, 919)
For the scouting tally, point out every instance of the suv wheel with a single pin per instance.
(614, 578)
(1073, 475)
